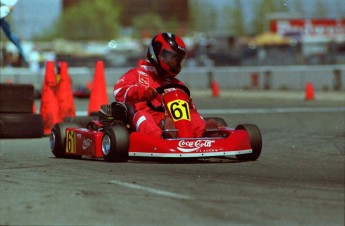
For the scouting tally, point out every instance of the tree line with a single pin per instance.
(100, 20)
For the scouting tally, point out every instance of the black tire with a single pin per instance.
(16, 98)
(255, 142)
(21, 125)
(115, 144)
(220, 121)
(82, 121)
(58, 139)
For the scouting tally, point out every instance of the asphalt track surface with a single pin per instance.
(298, 179)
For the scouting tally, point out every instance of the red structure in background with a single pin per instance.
(330, 28)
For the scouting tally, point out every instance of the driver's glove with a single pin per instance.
(146, 93)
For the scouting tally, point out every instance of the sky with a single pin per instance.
(33, 16)
(308, 4)
(287, 4)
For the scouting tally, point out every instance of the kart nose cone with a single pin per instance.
(105, 144)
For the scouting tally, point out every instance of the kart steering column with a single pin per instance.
(176, 103)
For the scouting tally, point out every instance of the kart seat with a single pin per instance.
(114, 111)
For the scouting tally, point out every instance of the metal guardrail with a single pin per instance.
(324, 77)
(275, 77)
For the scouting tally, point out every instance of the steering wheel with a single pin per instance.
(160, 90)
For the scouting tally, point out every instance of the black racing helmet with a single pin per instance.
(167, 53)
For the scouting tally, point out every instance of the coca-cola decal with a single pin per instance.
(86, 143)
(194, 145)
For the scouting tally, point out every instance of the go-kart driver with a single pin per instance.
(165, 56)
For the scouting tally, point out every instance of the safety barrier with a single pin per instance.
(323, 77)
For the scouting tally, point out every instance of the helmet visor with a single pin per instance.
(173, 60)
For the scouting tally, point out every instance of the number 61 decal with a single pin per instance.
(70, 142)
(179, 110)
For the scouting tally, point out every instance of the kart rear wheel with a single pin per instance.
(220, 121)
(58, 139)
(255, 142)
(82, 121)
(115, 144)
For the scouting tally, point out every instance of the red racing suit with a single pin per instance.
(145, 120)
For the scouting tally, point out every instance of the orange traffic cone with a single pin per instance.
(98, 94)
(89, 86)
(9, 81)
(49, 108)
(64, 93)
(215, 89)
(309, 91)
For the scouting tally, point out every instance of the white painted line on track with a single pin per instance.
(151, 190)
(258, 110)
(81, 113)
(272, 110)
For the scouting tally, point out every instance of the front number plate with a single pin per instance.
(179, 110)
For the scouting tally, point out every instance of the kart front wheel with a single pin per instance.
(115, 144)
(58, 138)
(255, 142)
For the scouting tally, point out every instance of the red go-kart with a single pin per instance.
(113, 138)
